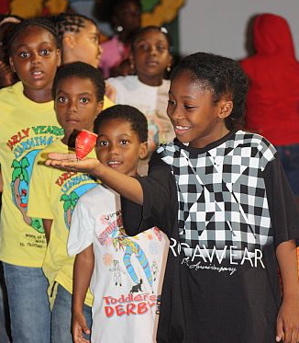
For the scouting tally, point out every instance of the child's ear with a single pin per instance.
(170, 62)
(100, 106)
(69, 41)
(226, 107)
(58, 52)
(143, 151)
(12, 66)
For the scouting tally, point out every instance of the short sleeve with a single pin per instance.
(81, 231)
(160, 204)
(282, 204)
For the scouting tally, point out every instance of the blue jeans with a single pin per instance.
(3, 311)
(28, 302)
(62, 317)
(289, 156)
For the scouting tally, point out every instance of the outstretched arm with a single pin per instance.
(83, 268)
(288, 317)
(126, 186)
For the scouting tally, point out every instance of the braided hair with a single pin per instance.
(42, 22)
(70, 22)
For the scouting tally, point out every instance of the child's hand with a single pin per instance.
(287, 328)
(78, 328)
(70, 163)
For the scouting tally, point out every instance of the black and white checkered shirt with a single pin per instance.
(221, 192)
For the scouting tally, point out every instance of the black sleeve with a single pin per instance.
(160, 205)
(282, 204)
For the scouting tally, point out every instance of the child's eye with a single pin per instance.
(23, 54)
(143, 47)
(102, 143)
(188, 107)
(84, 100)
(161, 48)
(62, 99)
(171, 102)
(45, 52)
(124, 142)
(95, 39)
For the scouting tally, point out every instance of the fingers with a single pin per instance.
(78, 334)
(61, 157)
(291, 336)
(85, 329)
(287, 335)
(279, 331)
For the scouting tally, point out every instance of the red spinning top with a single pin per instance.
(85, 142)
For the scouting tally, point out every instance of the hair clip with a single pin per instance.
(164, 30)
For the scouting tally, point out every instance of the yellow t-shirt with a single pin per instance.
(26, 127)
(53, 195)
(107, 102)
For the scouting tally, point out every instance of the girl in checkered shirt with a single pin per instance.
(221, 196)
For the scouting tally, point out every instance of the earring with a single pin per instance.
(132, 69)
(119, 28)
(168, 68)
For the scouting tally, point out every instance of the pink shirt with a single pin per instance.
(114, 51)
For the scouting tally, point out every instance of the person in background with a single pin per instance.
(272, 102)
(222, 197)
(78, 92)
(120, 267)
(7, 76)
(125, 18)
(148, 89)
(273, 97)
(27, 124)
(89, 9)
(80, 42)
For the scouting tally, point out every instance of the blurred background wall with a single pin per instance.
(219, 26)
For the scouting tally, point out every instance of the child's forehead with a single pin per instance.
(188, 76)
(151, 35)
(34, 30)
(116, 123)
(70, 80)
(116, 127)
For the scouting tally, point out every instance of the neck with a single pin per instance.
(153, 81)
(123, 37)
(39, 96)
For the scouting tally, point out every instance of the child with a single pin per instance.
(27, 124)
(124, 16)
(78, 92)
(80, 42)
(80, 38)
(148, 90)
(7, 77)
(223, 200)
(273, 94)
(127, 271)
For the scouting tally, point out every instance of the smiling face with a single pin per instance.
(35, 58)
(119, 147)
(196, 120)
(76, 104)
(151, 57)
